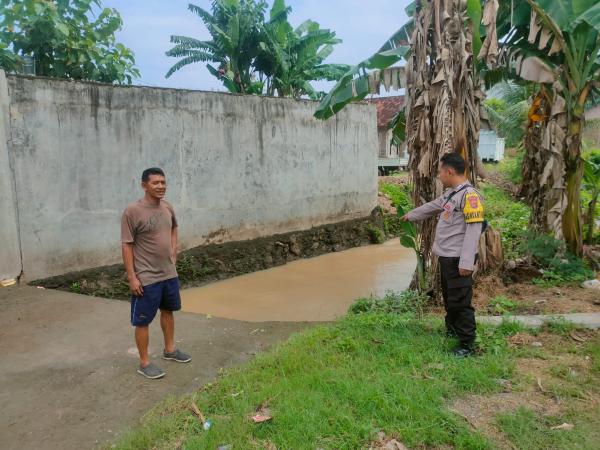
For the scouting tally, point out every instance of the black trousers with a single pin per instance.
(458, 293)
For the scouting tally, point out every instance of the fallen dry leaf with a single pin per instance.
(577, 337)
(198, 413)
(539, 383)
(564, 426)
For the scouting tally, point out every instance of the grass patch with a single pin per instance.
(501, 304)
(399, 195)
(336, 387)
(507, 215)
(528, 430)
(511, 168)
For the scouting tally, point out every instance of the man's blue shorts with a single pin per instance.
(163, 295)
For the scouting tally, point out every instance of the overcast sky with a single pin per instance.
(147, 25)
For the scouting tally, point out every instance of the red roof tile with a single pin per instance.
(387, 108)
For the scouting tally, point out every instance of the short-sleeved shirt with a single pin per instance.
(461, 214)
(149, 227)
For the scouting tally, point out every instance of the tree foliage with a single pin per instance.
(251, 54)
(291, 58)
(67, 39)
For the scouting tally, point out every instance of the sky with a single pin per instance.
(148, 24)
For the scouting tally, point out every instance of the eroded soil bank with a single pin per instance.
(205, 264)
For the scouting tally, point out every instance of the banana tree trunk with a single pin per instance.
(443, 105)
(590, 217)
(544, 165)
(572, 220)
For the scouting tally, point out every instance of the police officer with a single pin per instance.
(459, 227)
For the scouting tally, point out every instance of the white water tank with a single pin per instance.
(491, 147)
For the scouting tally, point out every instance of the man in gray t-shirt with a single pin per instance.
(459, 228)
(149, 246)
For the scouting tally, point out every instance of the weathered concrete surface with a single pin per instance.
(10, 257)
(584, 320)
(238, 167)
(68, 366)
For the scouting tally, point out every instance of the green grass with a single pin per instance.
(399, 195)
(507, 215)
(528, 430)
(336, 387)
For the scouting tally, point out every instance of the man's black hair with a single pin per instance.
(455, 161)
(151, 171)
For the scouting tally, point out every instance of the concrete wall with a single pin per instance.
(10, 256)
(237, 167)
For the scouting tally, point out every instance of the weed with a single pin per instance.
(189, 268)
(507, 215)
(76, 287)
(527, 430)
(559, 325)
(376, 236)
(511, 168)
(399, 195)
(404, 302)
(500, 305)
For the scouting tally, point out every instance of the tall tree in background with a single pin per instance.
(67, 38)
(251, 55)
(236, 30)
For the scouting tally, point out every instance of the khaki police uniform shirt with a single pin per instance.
(459, 226)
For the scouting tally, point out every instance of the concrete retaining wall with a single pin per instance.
(237, 167)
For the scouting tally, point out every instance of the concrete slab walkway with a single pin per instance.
(584, 320)
(68, 368)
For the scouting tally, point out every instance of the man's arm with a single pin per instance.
(469, 248)
(174, 245)
(134, 283)
(424, 211)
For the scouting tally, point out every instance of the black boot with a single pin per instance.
(464, 350)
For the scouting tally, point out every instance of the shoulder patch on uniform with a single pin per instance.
(473, 210)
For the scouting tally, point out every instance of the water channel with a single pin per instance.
(315, 289)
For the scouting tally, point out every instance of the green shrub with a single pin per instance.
(509, 216)
(510, 168)
(501, 305)
(375, 234)
(404, 302)
(399, 195)
(558, 266)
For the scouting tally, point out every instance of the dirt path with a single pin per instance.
(68, 365)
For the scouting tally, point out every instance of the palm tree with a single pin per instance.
(236, 29)
(556, 43)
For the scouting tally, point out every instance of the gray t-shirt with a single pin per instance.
(149, 227)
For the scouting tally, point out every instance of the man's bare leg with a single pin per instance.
(167, 323)
(142, 337)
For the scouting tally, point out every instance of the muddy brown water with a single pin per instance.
(315, 289)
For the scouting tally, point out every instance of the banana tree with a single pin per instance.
(442, 88)
(236, 28)
(556, 43)
(591, 181)
(291, 58)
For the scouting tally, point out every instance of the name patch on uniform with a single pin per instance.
(473, 210)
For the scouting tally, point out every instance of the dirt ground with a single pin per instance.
(68, 367)
(553, 377)
(532, 299)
